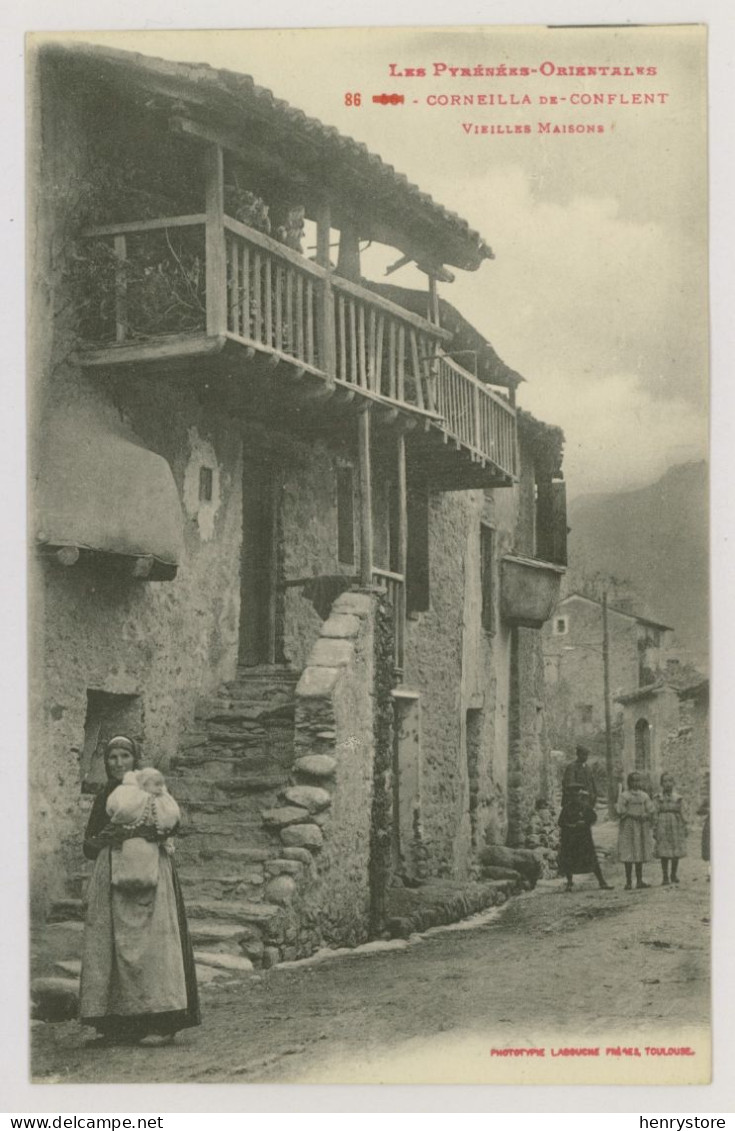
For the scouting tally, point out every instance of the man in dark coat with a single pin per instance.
(578, 773)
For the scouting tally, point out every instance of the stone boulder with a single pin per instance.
(310, 797)
(302, 836)
(54, 999)
(520, 860)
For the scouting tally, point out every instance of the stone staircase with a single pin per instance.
(241, 883)
(232, 768)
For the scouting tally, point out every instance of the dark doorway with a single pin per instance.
(473, 748)
(642, 746)
(259, 567)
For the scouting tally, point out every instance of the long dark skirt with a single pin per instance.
(138, 974)
(577, 850)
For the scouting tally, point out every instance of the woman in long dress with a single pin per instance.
(138, 976)
(577, 849)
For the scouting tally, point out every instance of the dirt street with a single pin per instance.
(590, 966)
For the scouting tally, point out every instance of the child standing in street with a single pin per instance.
(635, 836)
(670, 829)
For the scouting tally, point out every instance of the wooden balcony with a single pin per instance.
(295, 341)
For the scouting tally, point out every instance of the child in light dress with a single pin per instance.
(635, 832)
(670, 829)
(140, 801)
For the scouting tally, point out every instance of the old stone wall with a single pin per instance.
(685, 752)
(335, 744)
(91, 629)
(309, 540)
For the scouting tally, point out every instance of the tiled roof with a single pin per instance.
(236, 97)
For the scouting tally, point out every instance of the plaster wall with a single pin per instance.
(457, 665)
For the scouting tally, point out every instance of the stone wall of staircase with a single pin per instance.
(335, 747)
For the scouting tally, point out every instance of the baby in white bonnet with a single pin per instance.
(141, 799)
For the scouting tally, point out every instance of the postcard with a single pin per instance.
(368, 583)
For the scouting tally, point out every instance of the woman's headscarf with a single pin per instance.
(121, 741)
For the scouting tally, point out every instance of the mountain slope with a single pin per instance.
(657, 538)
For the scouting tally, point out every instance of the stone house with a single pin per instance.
(666, 730)
(574, 668)
(280, 534)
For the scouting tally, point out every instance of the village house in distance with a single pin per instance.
(658, 703)
(290, 529)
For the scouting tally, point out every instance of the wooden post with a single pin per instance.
(433, 312)
(348, 260)
(476, 425)
(609, 767)
(121, 290)
(216, 254)
(400, 610)
(366, 500)
(326, 334)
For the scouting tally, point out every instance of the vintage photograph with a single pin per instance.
(368, 579)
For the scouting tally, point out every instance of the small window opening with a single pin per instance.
(206, 480)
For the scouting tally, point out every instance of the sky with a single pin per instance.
(598, 292)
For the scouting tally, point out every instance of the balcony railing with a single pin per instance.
(483, 421)
(179, 285)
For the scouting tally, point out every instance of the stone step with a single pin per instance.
(76, 884)
(223, 937)
(58, 942)
(63, 910)
(223, 887)
(238, 784)
(223, 962)
(205, 842)
(198, 787)
(233, 911)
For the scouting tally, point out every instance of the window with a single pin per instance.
(417, 556)
(585, 714)
(345, 516)
(487, 565)
(205, 484)
(561, 626)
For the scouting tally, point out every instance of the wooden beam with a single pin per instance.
(348, 260)
(326, 334)
(245, 148)
(433, 312)
(121, 289)
(402, 532)
(216, 254)
(366, 500)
